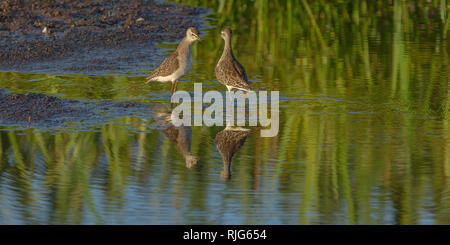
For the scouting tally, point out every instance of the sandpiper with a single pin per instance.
(229, 71)
(178, 64)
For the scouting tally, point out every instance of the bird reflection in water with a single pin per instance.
(229, 141)
(182, 138)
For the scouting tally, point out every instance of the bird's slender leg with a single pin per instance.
(231, 109)
(175, 89)
(231, 99)
(244, 98)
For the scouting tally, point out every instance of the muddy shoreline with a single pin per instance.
(42, 111)
(88, 36)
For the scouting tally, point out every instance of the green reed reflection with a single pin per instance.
(348, 172)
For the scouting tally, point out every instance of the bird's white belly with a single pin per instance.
(171, 78)
(184, 68)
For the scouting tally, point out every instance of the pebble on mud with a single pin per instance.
(46, 30)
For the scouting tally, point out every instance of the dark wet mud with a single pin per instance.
(48, 112)
(88, 36)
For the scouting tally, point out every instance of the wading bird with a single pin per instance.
(178, 64)
(229, 71)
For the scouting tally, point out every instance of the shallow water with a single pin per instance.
(364, 130)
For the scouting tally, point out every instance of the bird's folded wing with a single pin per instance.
(240, 70)
(240, 75)
(232, 75)
(169, 66)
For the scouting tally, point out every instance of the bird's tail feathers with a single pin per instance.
(149, 79)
